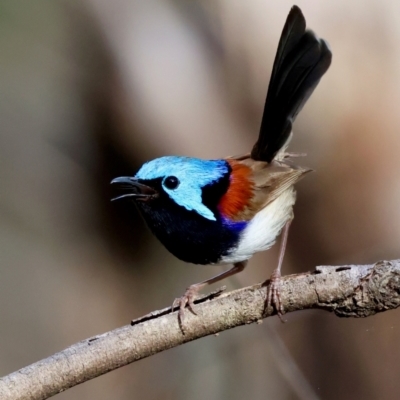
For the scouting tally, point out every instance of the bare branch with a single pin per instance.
(348, 291)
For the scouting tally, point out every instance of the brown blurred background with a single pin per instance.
(91, 89)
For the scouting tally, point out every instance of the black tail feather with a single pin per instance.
(300, 62)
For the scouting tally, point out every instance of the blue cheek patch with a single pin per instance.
(192, 173)
(189, 196)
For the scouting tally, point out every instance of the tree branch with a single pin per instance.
(348, 291)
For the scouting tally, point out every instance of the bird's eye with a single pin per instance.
(171, 182)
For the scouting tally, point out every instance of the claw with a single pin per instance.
(274, 294)
(190, 304)
(187, 300)
(275, 282)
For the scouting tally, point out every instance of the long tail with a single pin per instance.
(301, 60)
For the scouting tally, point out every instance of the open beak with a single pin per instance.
(130, 187)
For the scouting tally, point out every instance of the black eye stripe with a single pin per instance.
(171, 182)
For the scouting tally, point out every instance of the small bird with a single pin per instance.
(224, 211)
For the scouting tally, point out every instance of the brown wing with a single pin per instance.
(270, 181)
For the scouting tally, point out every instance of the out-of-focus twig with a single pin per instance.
(348, 291)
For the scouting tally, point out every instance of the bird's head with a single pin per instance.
(207, 187)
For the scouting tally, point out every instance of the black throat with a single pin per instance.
(186, 234)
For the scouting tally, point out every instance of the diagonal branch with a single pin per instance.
(348, 291)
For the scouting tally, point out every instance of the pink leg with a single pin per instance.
(274, 296)
(188, 298)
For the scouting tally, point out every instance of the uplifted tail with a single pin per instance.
(301, 60)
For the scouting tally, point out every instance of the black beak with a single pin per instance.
(130, 187)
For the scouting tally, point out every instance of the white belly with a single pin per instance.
(262, 231)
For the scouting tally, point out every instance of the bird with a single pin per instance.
(223, 211)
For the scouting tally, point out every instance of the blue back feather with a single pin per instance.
(193, 175)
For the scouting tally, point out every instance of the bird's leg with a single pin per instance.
(274, 296)
(192, 290)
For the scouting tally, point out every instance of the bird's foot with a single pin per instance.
(274, 294)
(187, 300)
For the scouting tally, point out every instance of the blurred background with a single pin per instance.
(91, 89)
